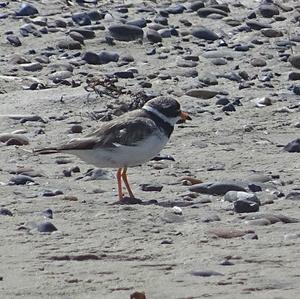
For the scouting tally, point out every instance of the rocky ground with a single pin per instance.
(223, 219)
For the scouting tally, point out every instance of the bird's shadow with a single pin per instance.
(165, 204)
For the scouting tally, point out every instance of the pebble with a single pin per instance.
(294, 195)
(138, 22)
(245, 206)
(272, 218)
(295, 61)
(201, 93)
(269, 32)
(5, 212)
(256, 25)
(49, 193)
(48, 213)
(46, 227)
(26, 9)
(293, 146)
(60, 75)
(206, 273)
(210, 218)
(86, 33)
(69, 44)
(106, 57)
(21, 179)
(233, 196)
(258, 62)
(32, 67)
(81, 18)
(268, 10)
(216, 188)
(177, 210)
(293, 76)
(228, 233)
(125, 32)
(153, 36)
(13, 139)
(151, 187)
(14, 40)
(206, 11)
(204, 33)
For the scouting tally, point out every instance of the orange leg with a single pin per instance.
(124, 176)
(119, 180)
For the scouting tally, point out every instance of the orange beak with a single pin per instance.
(184, 116)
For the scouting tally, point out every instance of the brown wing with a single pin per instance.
(127, 132)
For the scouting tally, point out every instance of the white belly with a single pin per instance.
(123, 156)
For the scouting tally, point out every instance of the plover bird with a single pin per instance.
(129, 140)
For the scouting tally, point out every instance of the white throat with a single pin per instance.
(170, 120)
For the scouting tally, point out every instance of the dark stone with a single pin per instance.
(268, 10)
(106, 57)
(151, 187)
(81, 18)
(86, 33)
(196, 5)
(255, 25)
(139, 23)
(294, 76)
(222, 101)
(76, 129)
(229, 107)
(91, 58)
(204, 33)
(26, 9)
(46, 227)
(5, 212)
(216, 188)
(69, 44)
(124, 74)
(254, 188)
(206, 11)
(14, 40)
(175, 9)
(48, 213)
(245, 206)
(153, 36)
(293, 146)
(206, 273)
(126, 32)
(21, 179)
(295, 61)
(294, 195)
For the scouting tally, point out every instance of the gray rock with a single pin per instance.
(126, 32)
(206, 273)
(60, 75)
(233, 196)
(153, 36)
(32, 67)
(294, 195)
(69, 44)
(206, 11)
(268, 10)
(204, 33)
(216, 188)
(151, 187)
(245, 206)
(295, 61)
(14, 40)
(294, 76)
(106, 57)
(5, 212)
(21, 179)
(195, 5)
(86, 33)
(269, 32)
(255, 25)
(258, 62)
(46, 227)
(26, 9)
(139, 23)
(293, 146)
(201, 93)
